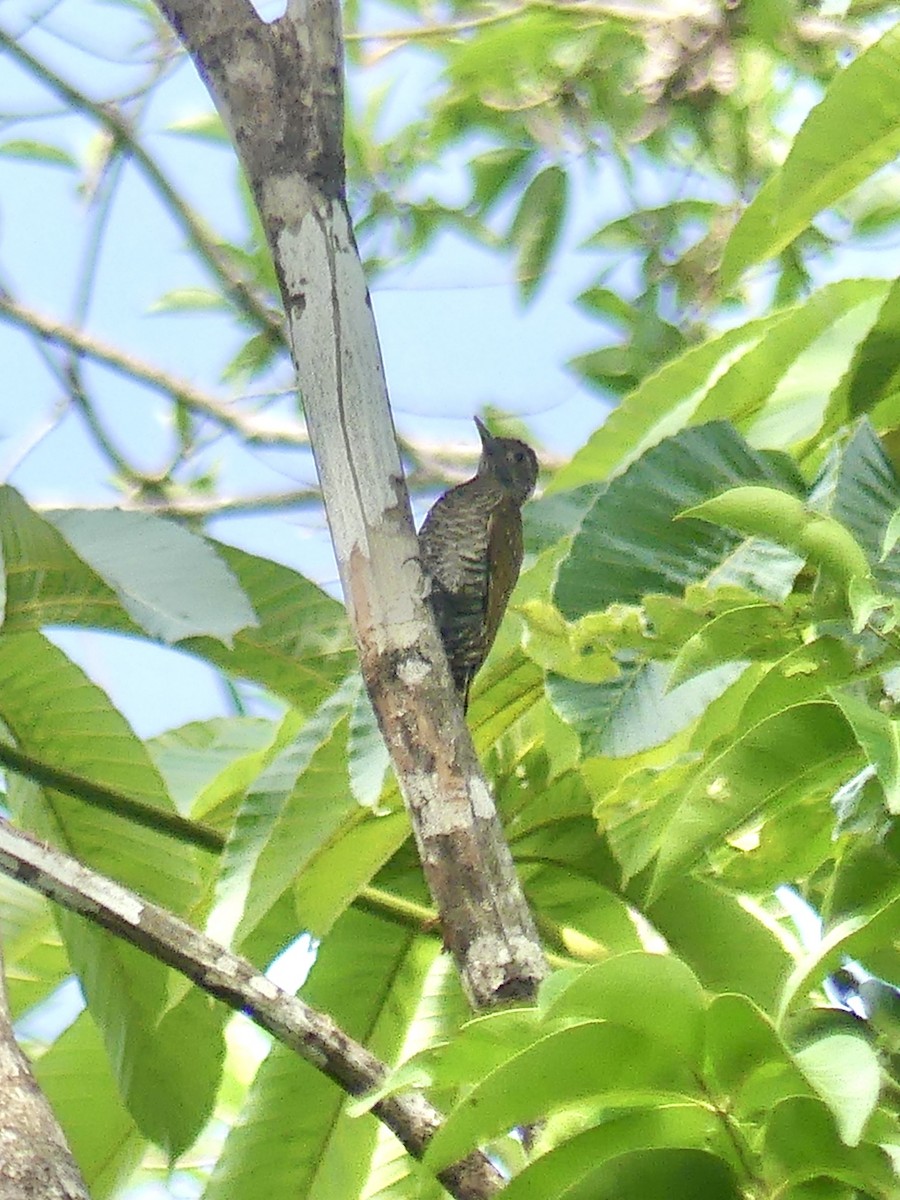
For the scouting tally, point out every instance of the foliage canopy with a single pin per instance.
(690, 707)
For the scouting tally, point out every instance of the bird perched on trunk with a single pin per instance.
(471, 548)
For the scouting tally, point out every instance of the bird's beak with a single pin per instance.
(483, 431)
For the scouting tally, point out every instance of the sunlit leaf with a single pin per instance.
(849, 135)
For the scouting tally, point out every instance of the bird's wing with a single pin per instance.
(504, 556)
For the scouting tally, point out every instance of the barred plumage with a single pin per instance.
(471, 547)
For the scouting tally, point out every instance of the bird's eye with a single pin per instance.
(520, 456)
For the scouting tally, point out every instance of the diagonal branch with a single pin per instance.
(252, 428)
(314, 1036)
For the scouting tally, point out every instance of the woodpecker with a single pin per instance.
(471, 548)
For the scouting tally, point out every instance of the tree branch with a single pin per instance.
(278, 88)
(314, 1036)
(53, 330)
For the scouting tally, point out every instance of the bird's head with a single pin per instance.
(512, 463)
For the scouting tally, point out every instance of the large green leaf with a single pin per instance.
(46, 582)
(207, 765)
(843, 1069)
(746, 1060)
(849, 135)
(802, 1143)
(55, 713)
(864, 497)
(289, 812)
(102, 1136)
(575, 1160)
(659, 1174)
(635, 711)
(879, 738)
(301, 846)
(593, 1060)
(654, 994)
(659, 408)
(164, 575)
(630, 543)
(803, 675)
(805, 751)
(301, 647)
(776, 393)
(34, 960)
(873, 373)
(727, 947)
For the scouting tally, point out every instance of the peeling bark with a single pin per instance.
(279, 89)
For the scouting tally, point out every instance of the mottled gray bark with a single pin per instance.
(35, 1161)
(279, 88)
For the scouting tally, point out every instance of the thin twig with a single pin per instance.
(252, 428)
(255, 309)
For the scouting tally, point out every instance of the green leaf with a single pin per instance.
(746, 1058)
(636, 711)
(253, 359)
(865, 496)
(593, 1060)
(654, 994)
(46, 582)
(368, 760)
(754, 631)
(56, 714)
(101, 1135)
(805, 751)
(300, 648)
(802, 1142)
(805, 674)
(629, 543)
(727, 946)
(874, 372)
(849, 135)
(844, 1070)
(661, 406)
(193, 299)
(537, 226)
(660, 1174)
(777, 392)
(34, 961)
(879, 737)
(208, 764)
(673, 1125)
(163, 575)
(291, 811)
(40, 152)
(494, 172)
(778, 515)
(205, 127)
